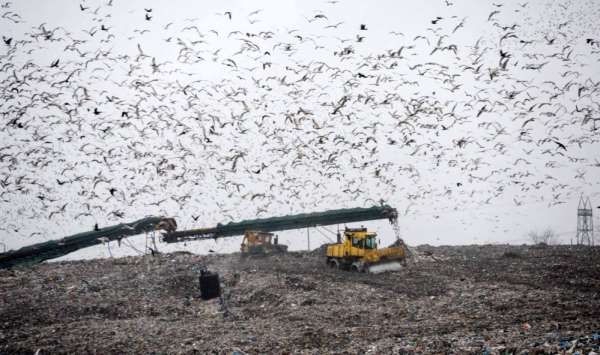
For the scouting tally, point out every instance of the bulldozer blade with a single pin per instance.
(391, 266)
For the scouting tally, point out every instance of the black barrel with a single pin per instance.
(209, 285)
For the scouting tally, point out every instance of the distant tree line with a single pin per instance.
(548, 236)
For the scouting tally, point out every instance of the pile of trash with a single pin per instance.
(492, 299)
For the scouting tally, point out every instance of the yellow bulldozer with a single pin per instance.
(358, 252)
(261, 243)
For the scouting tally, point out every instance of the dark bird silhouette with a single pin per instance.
(482, 110)
(363, 27)
(335, 25)
(492, 14)
(549, 41)
(560, 145)
(319, 16)
(60, 210)
(148, 17)
(460, 24)
(118, 214)
(590, 41)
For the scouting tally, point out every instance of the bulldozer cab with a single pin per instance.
(368, 242)
(360, 238)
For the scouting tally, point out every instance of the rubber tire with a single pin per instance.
(334, 264)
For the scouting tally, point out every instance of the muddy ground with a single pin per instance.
(465, 299)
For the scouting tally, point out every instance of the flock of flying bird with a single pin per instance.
(207, 125)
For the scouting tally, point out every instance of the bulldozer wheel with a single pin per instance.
(334, 264)
(354, 268)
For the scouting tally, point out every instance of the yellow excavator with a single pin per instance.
(358, 252)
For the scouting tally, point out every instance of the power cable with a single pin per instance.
(323, 234)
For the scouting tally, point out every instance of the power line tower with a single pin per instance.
(585, 223)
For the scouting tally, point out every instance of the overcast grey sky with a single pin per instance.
(445, 144)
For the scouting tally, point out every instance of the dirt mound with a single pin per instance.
(320, 251)
(465, 299)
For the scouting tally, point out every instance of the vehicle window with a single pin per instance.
(370, 243)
